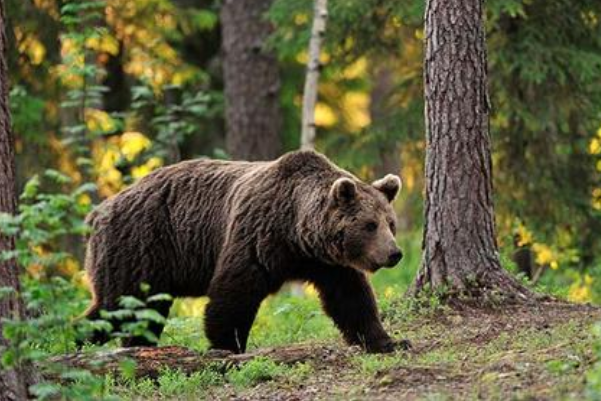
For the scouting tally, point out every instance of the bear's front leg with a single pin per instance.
(235, 296)
(348, 299)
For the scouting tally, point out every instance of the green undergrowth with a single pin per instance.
(173, 384)
(495, 355)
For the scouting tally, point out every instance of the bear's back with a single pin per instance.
(174, 217)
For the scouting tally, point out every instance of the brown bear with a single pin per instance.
(236, 232)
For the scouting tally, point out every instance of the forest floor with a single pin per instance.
(519, 352)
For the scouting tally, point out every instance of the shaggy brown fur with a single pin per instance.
(237, 231)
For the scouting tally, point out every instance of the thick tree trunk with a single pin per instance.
(459, 248)
(13, 382)
(320, 16)
(380, 113)
(252, 82)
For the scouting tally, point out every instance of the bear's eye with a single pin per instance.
(371, 226)
(392, 226)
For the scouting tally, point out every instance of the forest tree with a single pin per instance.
(252, 82)
(460, 253)
(14, 382)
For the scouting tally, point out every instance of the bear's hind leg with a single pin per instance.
(235, 297)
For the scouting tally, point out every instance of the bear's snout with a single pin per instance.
(394, 258)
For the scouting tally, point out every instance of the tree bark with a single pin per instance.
(380, 111)
(252, 82)
(14, 382)
(118, 96)
(320, 16)
(460, 254)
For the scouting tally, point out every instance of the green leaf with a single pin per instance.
(45, 390)
(129, 302)
(9, 358)
(159, 297)
(57, 176)
(150, 315)
(127, 368)
(76, 374)
(99, 325)
(205, 19)
(31, 188)
(85, 188)
(120, 314)
(145, 287)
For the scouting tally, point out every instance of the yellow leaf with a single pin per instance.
(152, 164)
(300, 19)
(84, 200)
(302, 57)
(356, 69)
(324, 115)
(133, 143)
(99, 121)
(544, 254)
(310, 291)
(580, 291)
(356, 110)
(524, 235)
(596, 198)
(594, 147)
(32, 48)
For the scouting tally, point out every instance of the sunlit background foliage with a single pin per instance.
(104, 92)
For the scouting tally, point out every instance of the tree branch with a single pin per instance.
(150, 361)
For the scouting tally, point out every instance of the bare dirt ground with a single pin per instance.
(520, 352)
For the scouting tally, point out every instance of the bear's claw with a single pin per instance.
(404, 345)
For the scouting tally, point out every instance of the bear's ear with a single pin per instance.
(389, 186)
(343, 191)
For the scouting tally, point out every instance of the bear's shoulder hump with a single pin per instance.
(302, 161)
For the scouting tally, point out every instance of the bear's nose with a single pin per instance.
(395, 257)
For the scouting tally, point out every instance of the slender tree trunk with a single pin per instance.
(459, 248)
(252, 82)
(13, 382)
(320, 16)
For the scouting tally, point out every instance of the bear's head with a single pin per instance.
(362, 223)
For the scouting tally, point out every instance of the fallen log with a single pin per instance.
(150, 361)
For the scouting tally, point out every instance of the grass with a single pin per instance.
(171, 384)
(516, 353)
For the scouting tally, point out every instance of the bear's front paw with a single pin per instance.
(404, 345)
(382, 346)
(385, 346)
